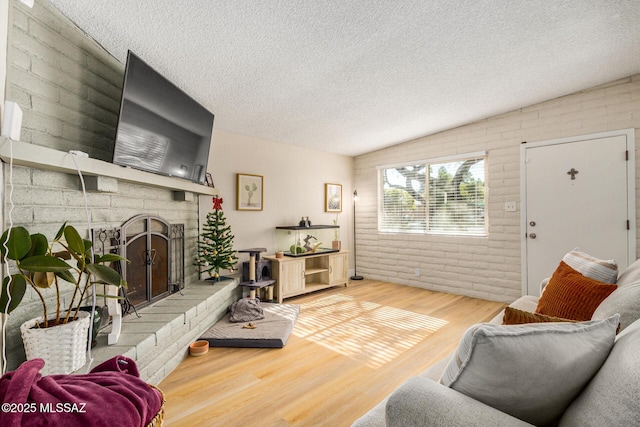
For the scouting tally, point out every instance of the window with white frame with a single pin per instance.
(444, 196)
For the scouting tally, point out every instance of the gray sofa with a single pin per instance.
(610, 398)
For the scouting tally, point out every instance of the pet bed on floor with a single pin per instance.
(271, 332)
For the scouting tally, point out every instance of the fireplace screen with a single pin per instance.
(155, 250)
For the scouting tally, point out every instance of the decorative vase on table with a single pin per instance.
(336, 243)
(62, 347)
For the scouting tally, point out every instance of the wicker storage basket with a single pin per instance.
(63, 347)
(158, 419)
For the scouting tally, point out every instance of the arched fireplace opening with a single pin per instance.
(155, 250)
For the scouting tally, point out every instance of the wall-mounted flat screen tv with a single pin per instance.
(161, 129)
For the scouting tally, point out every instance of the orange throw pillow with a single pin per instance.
(513, 316)
(570, 295)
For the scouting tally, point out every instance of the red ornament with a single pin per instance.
(217, 203)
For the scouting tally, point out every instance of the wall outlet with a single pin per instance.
(417, 272)
(510, 206)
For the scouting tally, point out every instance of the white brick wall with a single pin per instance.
(69, 89)
(67, 86)
(45, 199)
(482, 267)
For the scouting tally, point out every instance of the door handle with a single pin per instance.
(532, 235)
(151, 256)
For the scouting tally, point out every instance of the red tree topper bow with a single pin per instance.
(217, 203)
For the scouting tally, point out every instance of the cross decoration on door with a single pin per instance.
(573, 173)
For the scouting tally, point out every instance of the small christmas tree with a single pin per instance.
(215, 246)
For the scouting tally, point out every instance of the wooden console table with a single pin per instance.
(301, 275)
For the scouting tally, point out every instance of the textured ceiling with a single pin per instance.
(350, 77)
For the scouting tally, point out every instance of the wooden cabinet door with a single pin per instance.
(291, 277)
(338, 266)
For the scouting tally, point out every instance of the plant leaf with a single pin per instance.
(109, 258)
(60, 232)
(39, 244)
(74, 241)
(66, 276)
(16, 290)
(105, 274)
(87, 251)
(44, 263)
(63, 255)
(18, 241)
(43, 280)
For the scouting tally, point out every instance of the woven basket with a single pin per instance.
(157, 420)
(63, 347)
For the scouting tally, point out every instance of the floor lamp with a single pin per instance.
(355, 269)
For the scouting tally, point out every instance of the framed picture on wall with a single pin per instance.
(209, 180)
(249, 196)
(332, 197)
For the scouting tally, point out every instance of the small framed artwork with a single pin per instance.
(333, 197)
(249, 196)
(209, 180)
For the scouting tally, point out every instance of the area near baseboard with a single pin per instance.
(35, 156)
(159, 339)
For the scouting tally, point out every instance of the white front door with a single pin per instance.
(577, 193)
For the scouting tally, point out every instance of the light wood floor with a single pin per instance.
(351, 346)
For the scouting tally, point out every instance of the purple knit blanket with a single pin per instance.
(111, 395)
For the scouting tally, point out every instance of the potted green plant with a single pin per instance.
(37, 265)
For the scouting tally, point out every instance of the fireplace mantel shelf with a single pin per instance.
(35, 156)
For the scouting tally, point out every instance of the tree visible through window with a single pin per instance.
(440, 197)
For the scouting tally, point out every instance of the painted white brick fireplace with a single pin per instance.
(68, 88)
(158, 340)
